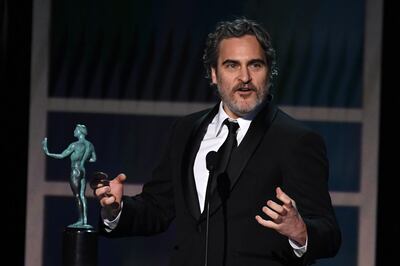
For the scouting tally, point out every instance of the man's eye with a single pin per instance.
(231, 66)
(256, 65)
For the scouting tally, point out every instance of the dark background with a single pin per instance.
(15, 45)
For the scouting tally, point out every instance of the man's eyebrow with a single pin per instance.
(230, 61)
(252, 61)
(260, 61)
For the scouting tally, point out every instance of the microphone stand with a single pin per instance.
(211, 162)
(207, 225)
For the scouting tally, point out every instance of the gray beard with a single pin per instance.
(236, 109)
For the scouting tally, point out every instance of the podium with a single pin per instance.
(79, 247)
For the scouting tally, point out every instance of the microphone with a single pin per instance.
(211, 160)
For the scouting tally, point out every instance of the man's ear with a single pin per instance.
(213, 76)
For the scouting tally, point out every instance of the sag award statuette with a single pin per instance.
(79, 238)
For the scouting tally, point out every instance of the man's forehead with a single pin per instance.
(245, 47)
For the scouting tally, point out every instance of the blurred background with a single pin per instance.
(127, 69)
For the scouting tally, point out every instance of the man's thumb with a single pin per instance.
(121, 178)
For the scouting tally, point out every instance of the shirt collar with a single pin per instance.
(244, 122)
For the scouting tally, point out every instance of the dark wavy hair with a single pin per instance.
(238, 28)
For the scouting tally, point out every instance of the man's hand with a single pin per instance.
(285, 218)
(109, 195)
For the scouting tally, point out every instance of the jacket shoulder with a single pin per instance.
(187, 121)
(290, 127)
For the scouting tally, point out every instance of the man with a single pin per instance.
(80, 152)
(267, 200)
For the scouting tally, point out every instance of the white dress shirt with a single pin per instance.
(215, 136)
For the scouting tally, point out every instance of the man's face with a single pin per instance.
(241, 75)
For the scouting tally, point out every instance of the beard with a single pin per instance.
(239, 105)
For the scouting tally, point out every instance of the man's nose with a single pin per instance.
(244, 75)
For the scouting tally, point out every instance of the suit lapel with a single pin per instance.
(189, 186)
(243, 153)
(249, 144)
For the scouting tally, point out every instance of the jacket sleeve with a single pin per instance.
(305, 179)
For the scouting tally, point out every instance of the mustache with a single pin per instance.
(245, 86)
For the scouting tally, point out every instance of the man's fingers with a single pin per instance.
(266, 223)
(120, 178)
(102, 191)
(282, 196)
(99, 179)
(107, 201)
(276, 207)
(96, 184)
(108, 192)
(273, 215)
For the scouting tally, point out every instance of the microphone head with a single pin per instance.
(211, 160)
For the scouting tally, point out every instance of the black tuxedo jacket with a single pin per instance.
(276, 151)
